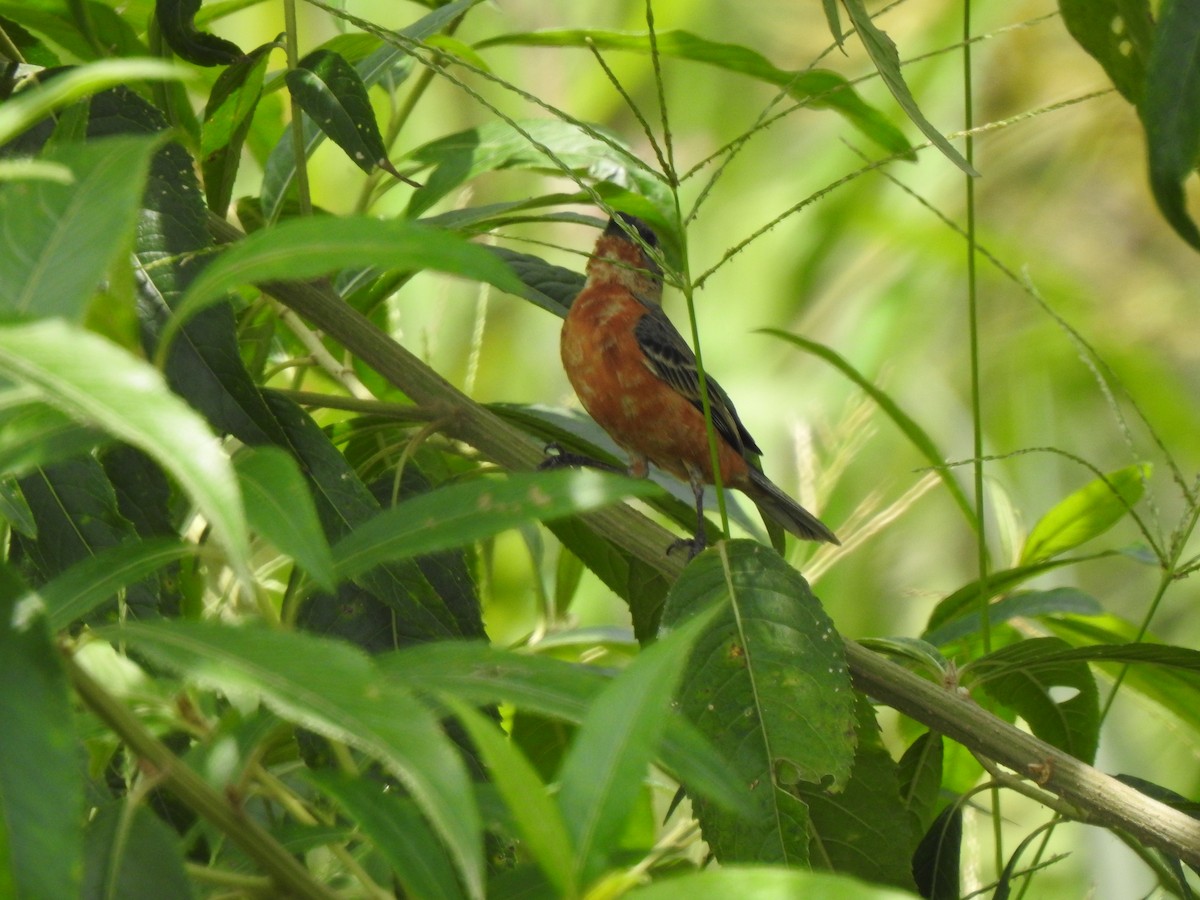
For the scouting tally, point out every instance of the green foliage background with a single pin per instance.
(1085, 357)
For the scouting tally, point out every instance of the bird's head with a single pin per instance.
(620, 257)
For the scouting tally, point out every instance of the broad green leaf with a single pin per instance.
(1170, 681)
(547, 145)
(29, 107)
(916, 435)
(1022, 675)
(175, 18)
(279, 506)
(768, 684)
(1085, 514)
(550, 287)
(539, 822)
(965, 601)
(603, 771)
(463, 513)
(60, 239)
(1170, 111)
(41, 783)
(281, 166)
(305, 248)
(344, 698)
(130, 854)
(1027, 604)
(862, 829)
(482, 675)
(92, 581)
(334, 96)
(1118, 34)
(395, 827)
(99, 384)
(883, 53)
(819, 88)
(765, 883)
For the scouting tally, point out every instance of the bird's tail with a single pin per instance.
(777, 506)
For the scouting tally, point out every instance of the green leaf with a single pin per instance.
(464, 513)
(548, 286)
(131, 854)
(36, 434)
(1025, 604)
(92, 581)
(15, 510)
(344, 698)
(768, 684)
(228, 116)
(279, 506)
(1118, 34)
(41, 783)
(1085, 514)
(281, 165)
(306, 248)
(1022, 676)
(602, 774)
(29, 107)
(883, 53)
(60, 239)
(764, 882)
(819, 88)
(175, 17)
(539, 822)
(920, 772)
(395, 827)
(863, 828)
(936, 860)
(97, 383)
(1170, 111)
(458, 158)
(334, 96)
(965, 601)
(916, 435)
(482, 675)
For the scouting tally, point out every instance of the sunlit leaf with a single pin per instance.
(462, 513)
(1085, 514)
(60, 239)
(279, 506)
(883, 53)
(765, 882)
(99, 384)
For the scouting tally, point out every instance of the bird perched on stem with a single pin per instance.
(637, 377)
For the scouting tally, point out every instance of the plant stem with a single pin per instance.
(296, 126)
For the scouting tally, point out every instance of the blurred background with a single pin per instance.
(870, 271)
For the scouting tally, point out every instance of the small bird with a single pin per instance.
(637, 377)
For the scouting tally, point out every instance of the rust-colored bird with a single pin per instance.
(637, 377)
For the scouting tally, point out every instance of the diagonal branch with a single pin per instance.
(1099, 798)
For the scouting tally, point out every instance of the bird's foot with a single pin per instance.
(693, 545)
(557, 457)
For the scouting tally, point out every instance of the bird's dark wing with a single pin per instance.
(671, 359)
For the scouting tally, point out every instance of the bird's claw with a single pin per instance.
(558, 457)
(693, 545)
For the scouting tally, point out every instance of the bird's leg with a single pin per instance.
(699, 540)
(559, 458)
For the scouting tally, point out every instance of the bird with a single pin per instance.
(637, 378)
